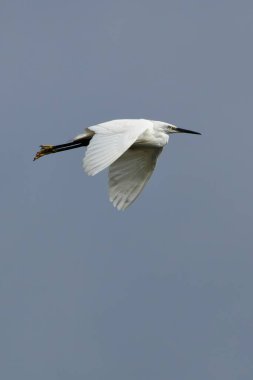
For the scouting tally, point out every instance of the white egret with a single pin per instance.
(129, 148)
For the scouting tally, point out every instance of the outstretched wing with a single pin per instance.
(129, 174)
(110, 141)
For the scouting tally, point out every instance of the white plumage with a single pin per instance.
(129, 174)
(110, 141)
(129, 148)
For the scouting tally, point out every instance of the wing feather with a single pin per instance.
(130, 173)
(110, 141)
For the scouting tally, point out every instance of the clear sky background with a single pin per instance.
(163, 290)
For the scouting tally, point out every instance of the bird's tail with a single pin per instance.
(48, 149)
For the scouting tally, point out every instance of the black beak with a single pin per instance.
(180, 130)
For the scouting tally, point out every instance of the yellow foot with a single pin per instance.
(45, 149)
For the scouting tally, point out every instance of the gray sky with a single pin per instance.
(163, 290)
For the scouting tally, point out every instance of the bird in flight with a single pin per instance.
(129, 147)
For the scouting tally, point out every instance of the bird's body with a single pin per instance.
(130, 149)
(149, 132)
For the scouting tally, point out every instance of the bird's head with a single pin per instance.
(173, 129)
